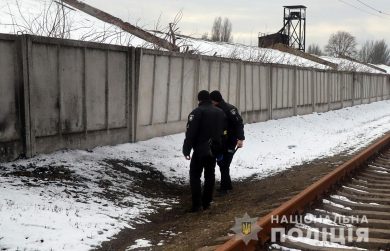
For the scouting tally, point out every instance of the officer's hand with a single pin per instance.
(188, 157)
(240, 143)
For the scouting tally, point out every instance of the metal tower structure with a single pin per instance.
(294, 26)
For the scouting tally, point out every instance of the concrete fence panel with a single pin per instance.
(248, 87)
(117, 90)
(95, 92)
(336, 87)
(11, 109)
(305, 91)
(175, 91)
(357, 89)
(145, 93)
(215, 73)
(71, 82)
(264, 92)
(366, 89)
(45, 90)
(78, 93)
(283, 92)
(190, 83)
(204, 75)
(224, 80)
(241, 104)
(347, 89)
(233, 83)
(386, 87)
(321, 91)
(256, 88)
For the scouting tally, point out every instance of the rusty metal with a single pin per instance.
(105, 17)
(299, 202)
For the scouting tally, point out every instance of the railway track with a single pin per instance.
(347, 209)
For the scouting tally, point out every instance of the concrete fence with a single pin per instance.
(57, 94)
(168, 83)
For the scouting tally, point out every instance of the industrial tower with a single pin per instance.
(294, 26)
(293, 33)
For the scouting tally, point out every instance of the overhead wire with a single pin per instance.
(372, 8)
(360, 9)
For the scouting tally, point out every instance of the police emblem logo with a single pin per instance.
(246, 227)
(191, 117)
(233, 111)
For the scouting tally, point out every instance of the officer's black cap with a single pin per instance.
(203, 95)
(216, 96)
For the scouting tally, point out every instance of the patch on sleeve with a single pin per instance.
(191, 117)
(233, 111)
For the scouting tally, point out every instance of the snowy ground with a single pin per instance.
(64, 200)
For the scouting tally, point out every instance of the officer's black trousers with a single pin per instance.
(198, 163)
(224, 167)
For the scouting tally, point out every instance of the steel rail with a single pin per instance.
(299, 202)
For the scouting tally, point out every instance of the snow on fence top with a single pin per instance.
(349, 65)
(247, 53)
(384, 67)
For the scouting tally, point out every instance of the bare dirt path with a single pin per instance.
(178, 230)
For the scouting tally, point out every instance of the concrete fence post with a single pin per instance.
(361, 88)
(238, 86)
(84, 90)
(377, 88)
(383, 87)
(313, 90)
(342, 88)
(245, 89)
(270, 93)
(137, 73)
(29, 132)
(370, 90)
(387, 87)
(197, 81)
(328, 88)
(294, 92)
(353, 88)
(181, 91)
(131, 77)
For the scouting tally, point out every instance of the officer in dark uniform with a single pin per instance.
(203, 135)
(232, 141)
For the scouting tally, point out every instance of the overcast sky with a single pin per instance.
(251, 17)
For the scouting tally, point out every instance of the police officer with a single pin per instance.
(232, 141)
(203, 135)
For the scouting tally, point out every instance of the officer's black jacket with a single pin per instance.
(205, 124)
(235, 125)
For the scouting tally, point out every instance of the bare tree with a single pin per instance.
(52, 21)
(381, 53)
(216, 30)
(314, 49)
(365, 52)
(226, 31)
(341, 44)
(221, 31)
(375, 52)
